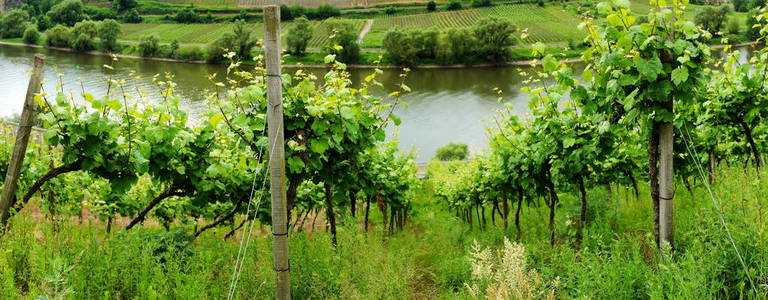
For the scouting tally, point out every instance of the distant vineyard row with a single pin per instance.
(544, 24)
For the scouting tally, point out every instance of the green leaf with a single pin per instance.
(549, 63)
(318, 146)
(568, 142)
(346, 112)
(649, 68)
(679, 75)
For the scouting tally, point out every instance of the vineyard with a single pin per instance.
(641, 175)
(545, 24)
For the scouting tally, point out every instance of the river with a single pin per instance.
(445, 105)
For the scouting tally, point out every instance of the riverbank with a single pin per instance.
(315, 60)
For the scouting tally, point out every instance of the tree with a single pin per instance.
(238, 41)
(462, 45)
(494, 36)
(400, 47)
(31, 34)
(109, 30)
(149, 45)
(132, 16)
(431, 6)
(712, 18)
(299, 36)
(58, 36)
(452, 151)
(67, 12)
(14, 23)
(343, 42)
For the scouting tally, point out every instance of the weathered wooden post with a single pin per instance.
(276, 150)
(22, 139)
(666, 171)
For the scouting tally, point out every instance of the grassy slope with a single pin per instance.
(206, 33)
(430, 260)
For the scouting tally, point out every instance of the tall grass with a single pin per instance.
(431, 259)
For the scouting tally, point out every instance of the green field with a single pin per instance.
(206, 33)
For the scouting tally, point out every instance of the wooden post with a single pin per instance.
(666, 183)
(22, 139)
(666, 171)
(276, 151)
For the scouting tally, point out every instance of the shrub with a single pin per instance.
(540, 3)
(187, 15)
(89, 28)
(245, 16)
(399, 47)
(14, 23)
(58, 36)
(82, 43)
(190, 53)
(452, 151)
(431, 6)
(67, 12)
(482, 3)
(454, 5)
(733, 26)
(504, 274)
(285, 13)
(298, 11)
(31, 34)
(132, 16)
(712, 18)
(109, 30)
(494, 36)
(753, 33)
(99, 14)
(390, 10)
(742, 5)
(123, 5)
(149, 45)
(344, 42)
(299, 36)
(326, 11)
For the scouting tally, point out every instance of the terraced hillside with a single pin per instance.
(548, 24)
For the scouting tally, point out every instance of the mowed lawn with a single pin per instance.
(206, 33)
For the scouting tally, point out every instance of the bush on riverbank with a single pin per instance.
(486, 42)
(31, 35)
(13, 24)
